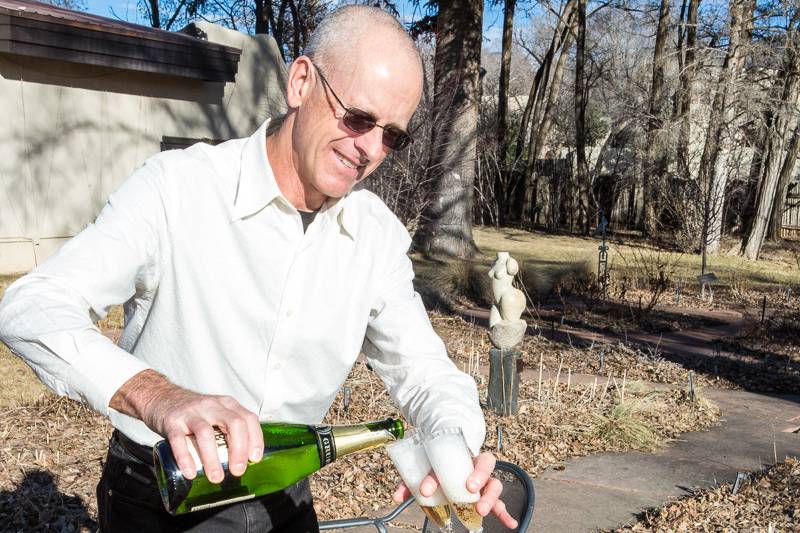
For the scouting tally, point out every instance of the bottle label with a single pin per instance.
(222, 502)
(222, 448)
(325, 444)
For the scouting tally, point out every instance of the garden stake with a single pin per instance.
(539, 394)
(346, 400)
(499, 438)
(558, 376)
(691, 385)
(740, 478)
(605, 389)
(624, 377)
(602, 360)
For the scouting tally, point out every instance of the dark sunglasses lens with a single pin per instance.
(358, 121)
(395, 139)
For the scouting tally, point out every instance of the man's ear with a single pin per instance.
(300, 81)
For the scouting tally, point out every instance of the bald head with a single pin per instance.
(350, 32)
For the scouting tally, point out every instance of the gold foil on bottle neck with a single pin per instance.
(351, 439)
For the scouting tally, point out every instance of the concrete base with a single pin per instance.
(503, 381)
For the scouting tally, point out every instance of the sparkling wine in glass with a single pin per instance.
(451, 460)
(411, 461)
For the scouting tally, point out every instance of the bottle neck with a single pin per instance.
(358, 437)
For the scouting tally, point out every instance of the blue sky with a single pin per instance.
(492, 17)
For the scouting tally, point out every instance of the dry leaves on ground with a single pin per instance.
(469, 346)
(767, 501)
(53, 449)
(52, 453)
(554, 422)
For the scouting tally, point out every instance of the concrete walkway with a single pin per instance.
(607, 490)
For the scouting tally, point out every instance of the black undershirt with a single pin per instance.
(307, 217)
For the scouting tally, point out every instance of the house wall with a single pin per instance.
(70, 134)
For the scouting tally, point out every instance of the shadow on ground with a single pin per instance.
(36, 504)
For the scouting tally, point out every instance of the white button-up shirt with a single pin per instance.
(225, 294)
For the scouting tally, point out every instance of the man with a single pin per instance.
(251, 272)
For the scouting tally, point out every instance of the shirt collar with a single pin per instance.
(257, 187)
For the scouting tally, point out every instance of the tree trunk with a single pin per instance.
(262, 23)
(541, 129)
(775, 155)
(530, 117)
(446, 222)
(502, 111)
(655, 166)
(787, 172)
(582, 167)
(683, 100)
(722, 109)
(155, 17)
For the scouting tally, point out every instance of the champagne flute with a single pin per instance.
(452, 461)
(408, 456)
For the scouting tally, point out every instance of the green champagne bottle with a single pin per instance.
(291, 453)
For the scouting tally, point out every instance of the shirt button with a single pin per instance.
(288, 312)
(276, 365)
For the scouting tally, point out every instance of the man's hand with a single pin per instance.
(481, 481)
(175, 413)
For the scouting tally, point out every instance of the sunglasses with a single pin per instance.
(359, 121)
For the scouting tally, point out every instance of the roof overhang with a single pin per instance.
(35, 29)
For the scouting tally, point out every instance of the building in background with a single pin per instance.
(85, 100)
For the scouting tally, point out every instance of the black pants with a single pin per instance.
(128, 501)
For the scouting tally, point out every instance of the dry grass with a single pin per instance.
(548, 252)
(767, 501)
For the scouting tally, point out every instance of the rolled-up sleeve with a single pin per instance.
(46, 317)
(411, 358)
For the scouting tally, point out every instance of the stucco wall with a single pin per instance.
(69, 134)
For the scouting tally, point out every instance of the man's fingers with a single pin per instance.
(484, 465)
(255, 447)
(429, 485)
(238, 441)
(401, 493)
(207, 448)
(489, 495)
(502, 514)
(180, 450)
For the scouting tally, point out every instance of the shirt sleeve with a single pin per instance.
(412, 360)
(46, 317)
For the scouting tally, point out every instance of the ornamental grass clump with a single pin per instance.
(624, 428)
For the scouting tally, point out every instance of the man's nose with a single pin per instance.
(371, 143)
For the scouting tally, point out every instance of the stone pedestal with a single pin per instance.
(503, 380)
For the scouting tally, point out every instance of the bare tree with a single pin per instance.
(581, 96)
(656, 159)
(535, 124)
(787, 173)
(712, 181)
(446, 224)
(687, 64)
(787, 88)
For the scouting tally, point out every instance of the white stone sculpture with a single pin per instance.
(506, 328)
